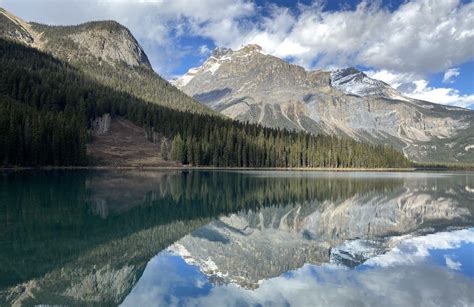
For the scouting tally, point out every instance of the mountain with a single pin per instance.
(105, 51)
(251, 86)
(75, 77)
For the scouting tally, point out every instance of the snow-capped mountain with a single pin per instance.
(355, 82)
(251, 86)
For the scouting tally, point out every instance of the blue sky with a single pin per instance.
(425, 48)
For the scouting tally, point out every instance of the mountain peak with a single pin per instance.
(107, 41)
(104, 40)
(220, 52)
(353, 81)
(14, 28)
(344, 73)
(250, 48)
(218, 57)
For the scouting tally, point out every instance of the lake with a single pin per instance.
(236, 238)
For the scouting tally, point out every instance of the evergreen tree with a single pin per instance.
(164, 149)
(177, 149)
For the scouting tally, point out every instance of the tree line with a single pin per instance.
(33, 137)
(46, 86)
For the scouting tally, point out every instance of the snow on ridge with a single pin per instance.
(214, 62)
(353, 81)
(184, 80)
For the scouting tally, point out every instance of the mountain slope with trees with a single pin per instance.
(249, 85)
(105, 51)
(43, 85)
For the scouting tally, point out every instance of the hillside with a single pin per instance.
(251, 86)
(53, 91)
(125, 144)
(56, 89)
(105, 51)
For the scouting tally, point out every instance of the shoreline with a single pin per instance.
(208, 168)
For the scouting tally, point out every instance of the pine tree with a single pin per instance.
(177, 149)
(164, 149)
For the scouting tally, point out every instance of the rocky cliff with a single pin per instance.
(105, 41)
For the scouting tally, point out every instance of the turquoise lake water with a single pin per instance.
(236, 238)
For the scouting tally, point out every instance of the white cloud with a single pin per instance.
(418, 38)
(452, 264)
(450, 74)
(415, 86)
(396, 80)
(204, 50)
(447, 96)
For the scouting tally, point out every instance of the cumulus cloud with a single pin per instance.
(396, 80)
(204, 50)
(442, 95)
(415, 250)
(450, 74)
(420, 37)
(452, 264)
(415, 86)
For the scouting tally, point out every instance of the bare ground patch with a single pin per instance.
(125, 144)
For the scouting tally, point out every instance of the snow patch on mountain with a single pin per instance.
(214, 62)
(352, 81)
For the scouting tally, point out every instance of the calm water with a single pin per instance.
(149, 238)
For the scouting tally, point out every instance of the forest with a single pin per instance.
(46, 109)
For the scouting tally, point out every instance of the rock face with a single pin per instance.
(14, 28)
(106, 40)
(101, 125)
(249, 85)
(110, 41)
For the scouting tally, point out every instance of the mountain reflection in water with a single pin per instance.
(84, 237)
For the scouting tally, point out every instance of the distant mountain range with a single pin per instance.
(251, 86)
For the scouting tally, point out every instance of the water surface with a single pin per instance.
(153, 238)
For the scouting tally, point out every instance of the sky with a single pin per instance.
(424, 48)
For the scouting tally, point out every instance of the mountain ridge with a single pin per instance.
(251, 86)
(104, 50)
